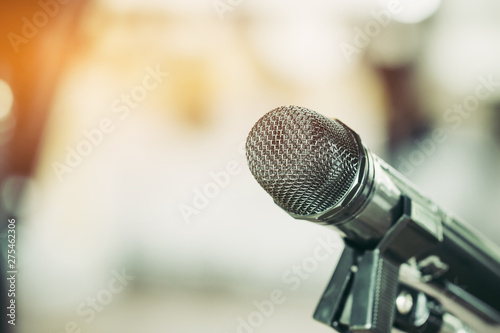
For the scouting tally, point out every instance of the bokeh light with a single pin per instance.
(6, 99)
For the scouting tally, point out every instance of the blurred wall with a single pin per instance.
(141, 214)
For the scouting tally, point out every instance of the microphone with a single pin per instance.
(317, 169)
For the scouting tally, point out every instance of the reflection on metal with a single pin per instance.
(404, 302)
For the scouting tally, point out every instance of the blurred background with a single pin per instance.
(122, 125)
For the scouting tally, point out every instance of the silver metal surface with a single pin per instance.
(452, 324)
(404, 302)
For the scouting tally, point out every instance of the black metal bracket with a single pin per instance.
(361, 295)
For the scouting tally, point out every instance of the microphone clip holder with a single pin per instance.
(361, 295)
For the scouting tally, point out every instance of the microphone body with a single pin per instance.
(304, 161)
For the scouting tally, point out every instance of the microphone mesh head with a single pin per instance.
(305, 161)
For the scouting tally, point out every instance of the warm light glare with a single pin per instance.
(6, 99)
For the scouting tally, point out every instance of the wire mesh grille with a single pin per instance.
(305, 161)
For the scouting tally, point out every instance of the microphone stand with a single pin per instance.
(365, 294)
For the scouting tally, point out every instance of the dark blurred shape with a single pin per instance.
(406, 121)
